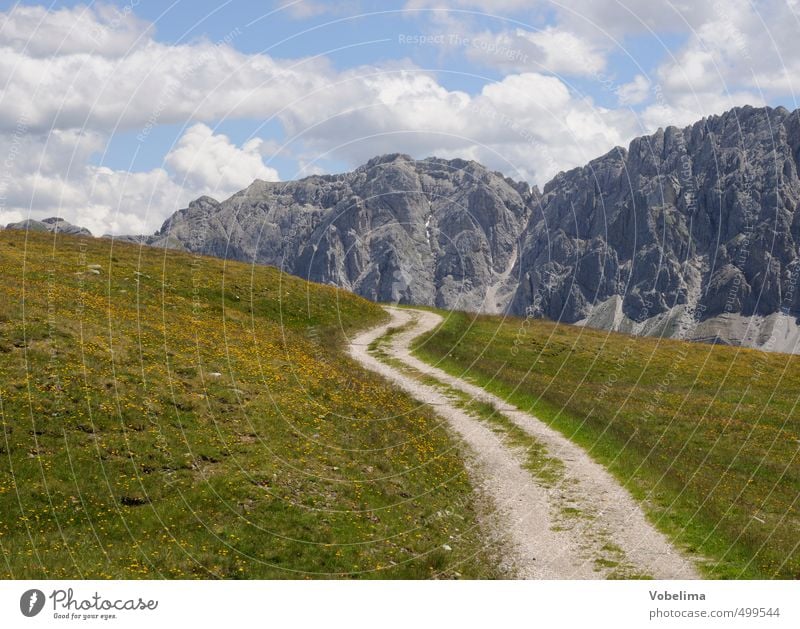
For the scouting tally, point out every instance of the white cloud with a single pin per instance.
(684, 109)
(119, 202)
(70, 102)
(69, 95)
(635, 92)
(528, 125)
(736, 52)
(211, 163)
(79, 86)
(10, 216)
(543, 128)
(550, 49)
(98, 29)
(101, 199)
(743, 46)
(527, 95)
(565, 52)
(368, 111)
(50, 175)
(599, 18)
(745, 53)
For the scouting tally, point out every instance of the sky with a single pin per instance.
(115, 114)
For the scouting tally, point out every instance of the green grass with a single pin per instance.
(706, 437)
(122, 455)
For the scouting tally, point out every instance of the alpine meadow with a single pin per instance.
(168, 416)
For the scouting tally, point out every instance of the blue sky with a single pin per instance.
(117, 113)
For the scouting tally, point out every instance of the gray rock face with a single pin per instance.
(53, 224)
(702, 220)
(434, 231)
(690, 233)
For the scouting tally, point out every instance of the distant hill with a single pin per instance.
(52, 225)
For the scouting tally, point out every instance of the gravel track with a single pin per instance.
(584, 526)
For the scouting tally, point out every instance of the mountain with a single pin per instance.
(690, 233)
(434, 231)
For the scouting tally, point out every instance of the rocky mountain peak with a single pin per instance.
(430, 231)
(696, 225)
(688, 232)
(389, 158)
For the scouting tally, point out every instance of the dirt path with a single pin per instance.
(583, 526)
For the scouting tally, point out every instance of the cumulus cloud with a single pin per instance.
(745, 53)
(100, 68)
(70, 102)
(213, 164)
(528, 125)
(546, 128)
(601, 18)
(51, 175)
(66, 94)
(635, 92)
(743, 46)
(96, 29)
(736, 52)
(119, 202)
(99, 198)
(550, 49)
(153, 84)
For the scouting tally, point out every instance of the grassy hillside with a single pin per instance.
(165, 415)
(708, 437)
